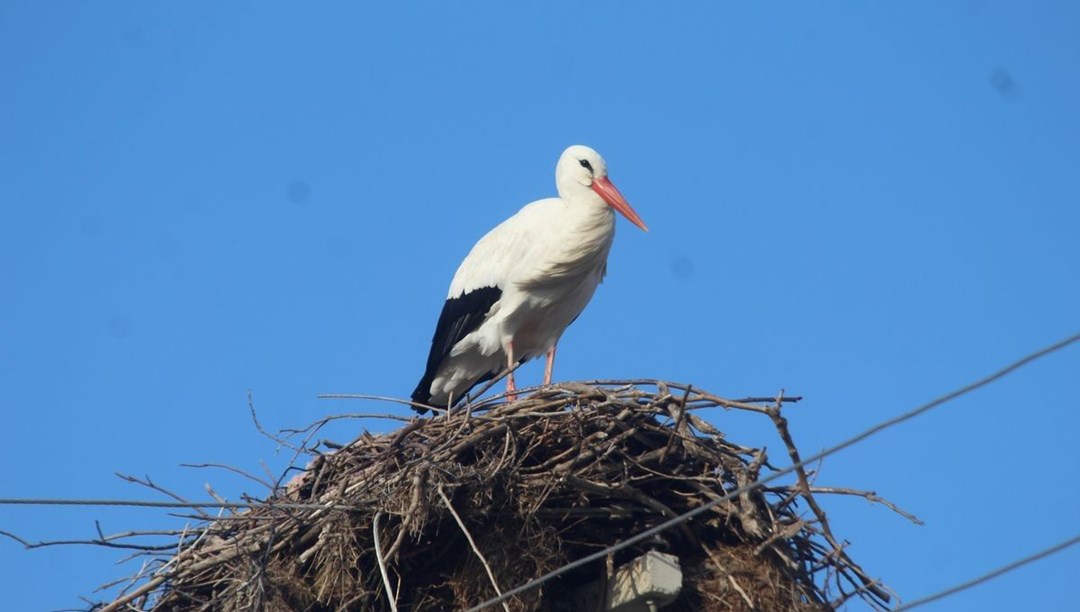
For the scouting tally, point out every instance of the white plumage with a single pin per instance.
(525, 281)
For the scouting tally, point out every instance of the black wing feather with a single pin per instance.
(460, 317)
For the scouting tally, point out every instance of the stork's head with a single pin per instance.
(581, 174)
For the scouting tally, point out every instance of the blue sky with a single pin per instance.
(866, 204)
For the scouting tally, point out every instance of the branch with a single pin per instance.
(103, 540)
(782, 428)
(230, 468)
(150, 484)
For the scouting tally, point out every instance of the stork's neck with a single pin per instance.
(591, 226)
(576, 247)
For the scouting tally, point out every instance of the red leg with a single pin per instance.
(550, 365)
(510, 363)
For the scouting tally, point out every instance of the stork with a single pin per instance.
(525, 282)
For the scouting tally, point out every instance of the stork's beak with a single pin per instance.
(605, 189)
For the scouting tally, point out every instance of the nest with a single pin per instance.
(448, 511)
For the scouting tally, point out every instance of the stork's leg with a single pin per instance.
(550, 365)
(510, 363)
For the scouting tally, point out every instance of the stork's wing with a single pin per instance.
(510, 250)
(460, 316)
(479, 282)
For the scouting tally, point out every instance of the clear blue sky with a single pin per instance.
(866, 204)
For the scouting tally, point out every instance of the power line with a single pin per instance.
(990, 575)
(648, 533)
(171, 504)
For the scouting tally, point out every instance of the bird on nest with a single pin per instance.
(525, 282)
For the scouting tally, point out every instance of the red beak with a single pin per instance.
(603, 187)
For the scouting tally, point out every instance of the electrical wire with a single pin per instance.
(963, 586)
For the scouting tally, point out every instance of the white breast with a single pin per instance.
(550, 286)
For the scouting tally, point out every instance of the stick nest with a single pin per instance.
(536, 483)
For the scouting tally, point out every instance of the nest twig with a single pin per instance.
(495, 496)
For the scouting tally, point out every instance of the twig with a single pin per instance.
(382, 564)
(678, 427)
(413, 511)
(380, 398)
(472, 543)
(122, 602)
(870, 496)
(230, 468)
(146, 482)
(258, 425)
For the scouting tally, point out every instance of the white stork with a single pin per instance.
(525, 281)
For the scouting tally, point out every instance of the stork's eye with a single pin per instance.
(585, 164)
